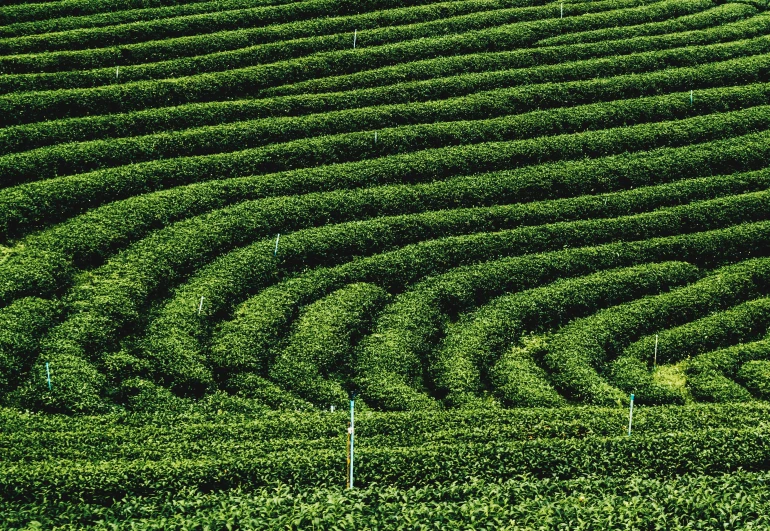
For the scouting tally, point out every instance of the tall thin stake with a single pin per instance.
(351, 434)
(348, 467)
(200, 306)
(355, 33)
(630, 415)
(655, 359)
(275, 253)
(48, 373)
(117, 72)
(691, 97)
(562, 10)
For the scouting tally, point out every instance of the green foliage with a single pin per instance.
(710, 376)
(744, 322)
(18, 11)
(256, 387)
(409, 330)
(76, 386)
(67, 159)
(20, 108)
(475, 203)
(515, 376)
(597, 503)
(533, 64)
(68, 195)
(142, 395)
(319, 351)
(31, 271)
(21, 325)
(54, 18)
(260, 322)
(755, 375)
(220, 16)
(256, 46)
(666, 455)
(110, 299)
(579, 350)
(677, 26)
(156, 120)
(713, 386)
(38, 268)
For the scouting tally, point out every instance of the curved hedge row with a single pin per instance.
(630, 372)
(711, 376)
(472, 120)
(408, 330)
(709, 17)
(17, 11)
(172, 339)
(755, 375)
(39, 266)
(30, 136)
(24, 203)
(487, 332)
(259, 322)
(195, 24)
(476, 344)
(257, 46)
(33, 272)
(519, 381)
(360, 157)
(49, 21)
(742, 323)
(153, 51)
(29, 107)
(175, 335)
(318, 359)
(574, 354)
(445, 67)
(22, 324)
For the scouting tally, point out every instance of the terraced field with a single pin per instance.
(491, 220)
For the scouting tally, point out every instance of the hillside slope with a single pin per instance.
(432, 204)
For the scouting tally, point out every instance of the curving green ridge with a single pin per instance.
(489, 221)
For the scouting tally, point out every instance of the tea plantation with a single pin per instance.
(489, 221)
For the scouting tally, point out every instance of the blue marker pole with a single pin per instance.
(48, 373)
(630, 415)
(351, 430)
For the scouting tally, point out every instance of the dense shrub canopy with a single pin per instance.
(218, 214)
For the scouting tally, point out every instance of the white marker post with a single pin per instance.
(691, 97)
(117, 72)
(275, 253)
(355, 33)
(48, 373)
(562, 10)
(655, 358)
(200, 306)
(351, 432)
(630, 414)
(375, 137)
